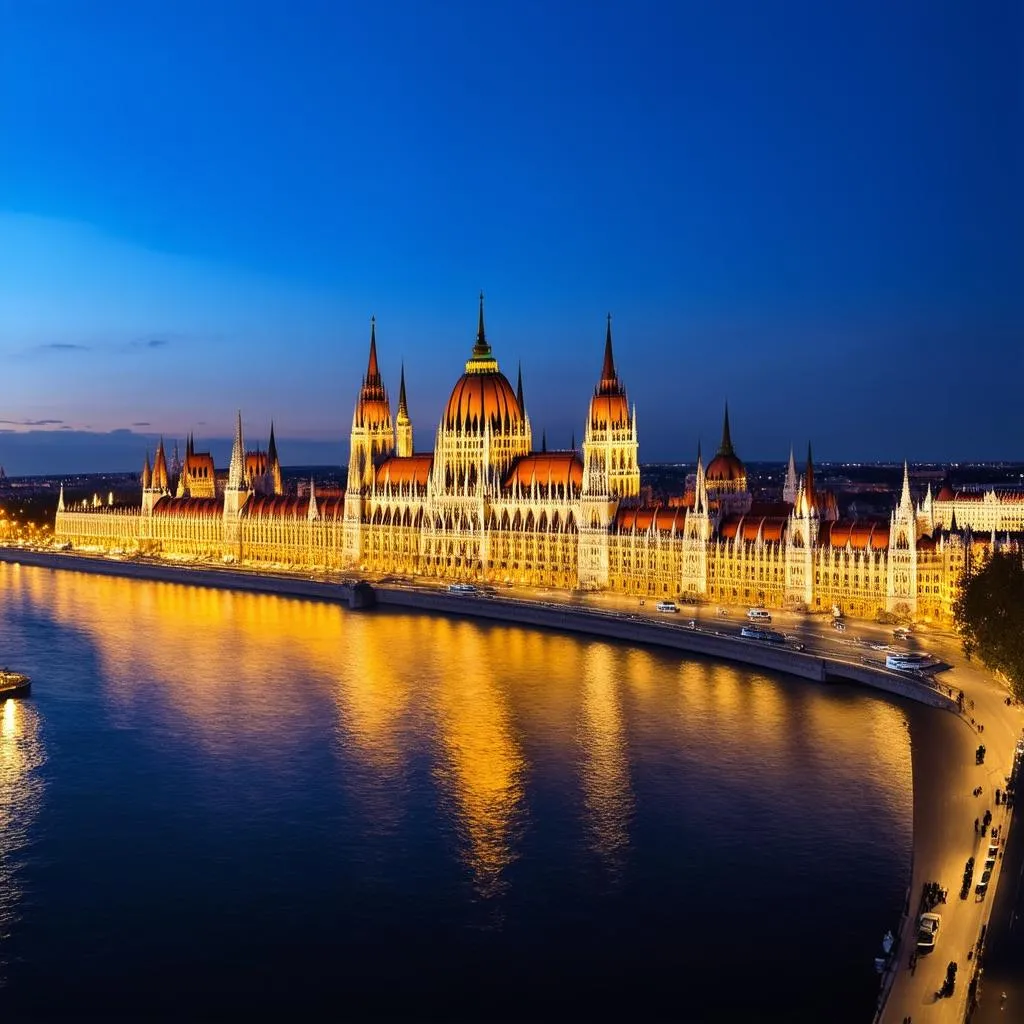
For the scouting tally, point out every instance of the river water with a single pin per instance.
(232, 804)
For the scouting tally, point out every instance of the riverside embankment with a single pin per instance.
(569, 618)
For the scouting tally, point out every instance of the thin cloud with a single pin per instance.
(61, 346)
(32, 423)
(144, 343)
(142, 423)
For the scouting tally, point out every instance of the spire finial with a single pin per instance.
(481, 348)
(519, 388)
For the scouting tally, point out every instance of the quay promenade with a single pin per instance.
(944, 771)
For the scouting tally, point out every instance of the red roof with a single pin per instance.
(860, 534)
(564, 468)
(190, 508)
(662, 517)
(276, 506)
(403, 470)
(748, 527)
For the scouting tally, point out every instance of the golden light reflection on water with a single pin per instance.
(482, 766)
(608, 797)
(494, 709)
(21, 794)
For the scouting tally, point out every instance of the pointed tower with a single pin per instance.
(274, 464)
(150, 494)
(403, 425)
(519, 389)
(790, 486)
(802, 541)
(236, 494)
(312, 512)
(726, 475)
(901, 557)
(160, 479)
(372, 437)
(610, 447)
(611, 469)
(60, 497)
(697, 530)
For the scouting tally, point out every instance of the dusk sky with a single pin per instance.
(811, 210)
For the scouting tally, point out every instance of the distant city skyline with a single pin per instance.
(810, 211)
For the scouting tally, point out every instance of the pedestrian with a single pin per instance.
(975, 826)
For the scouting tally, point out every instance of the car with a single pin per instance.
(668, 606)
(927, 929)
(839, 625)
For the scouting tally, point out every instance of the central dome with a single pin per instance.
(481, 398)
(482, 395)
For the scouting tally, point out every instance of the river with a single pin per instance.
(234, 804)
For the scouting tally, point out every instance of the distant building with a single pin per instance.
(483, 505)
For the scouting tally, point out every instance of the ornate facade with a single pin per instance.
(484, 506)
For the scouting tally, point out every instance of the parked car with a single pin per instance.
(927, 930)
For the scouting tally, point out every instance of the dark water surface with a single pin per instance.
(240, 805)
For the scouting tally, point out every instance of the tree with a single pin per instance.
(989, 615)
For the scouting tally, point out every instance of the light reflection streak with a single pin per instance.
(22, 757)
(608, 798)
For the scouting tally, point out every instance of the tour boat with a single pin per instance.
(13, 684)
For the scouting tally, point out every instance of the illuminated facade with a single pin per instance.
(485, 506)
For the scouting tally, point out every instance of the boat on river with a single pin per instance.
(13, 684)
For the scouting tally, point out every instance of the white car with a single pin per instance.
(927, 929)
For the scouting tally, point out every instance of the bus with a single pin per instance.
(907, 662)
(769, 636)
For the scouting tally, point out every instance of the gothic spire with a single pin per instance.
(519, 389)
(543, 440)
(311, 512)
(372, 370)
(60, 497)
(905, 502)
(481, 349)
(608, 375)
(236, 472)
(159, 480)
(726, 447)
(403, 408)
(271, 446)
(789, 488)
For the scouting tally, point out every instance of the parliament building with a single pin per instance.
(484, 506)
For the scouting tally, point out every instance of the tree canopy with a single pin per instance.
(989, 615)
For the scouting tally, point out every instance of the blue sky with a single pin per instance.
(810, 210)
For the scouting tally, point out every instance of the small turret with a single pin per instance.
(147, 475)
